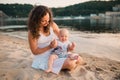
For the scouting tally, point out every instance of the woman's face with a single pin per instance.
(45, 20)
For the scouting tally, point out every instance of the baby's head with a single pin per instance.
(63, 35)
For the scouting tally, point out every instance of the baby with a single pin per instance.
(62, 50)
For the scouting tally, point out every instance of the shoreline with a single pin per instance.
(16, 59)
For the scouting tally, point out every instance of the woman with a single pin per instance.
(42, 32)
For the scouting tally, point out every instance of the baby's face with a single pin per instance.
(63, 37)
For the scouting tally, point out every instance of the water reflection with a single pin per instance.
(109, 24)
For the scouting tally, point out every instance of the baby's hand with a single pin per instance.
(53, 44)
(73, 45)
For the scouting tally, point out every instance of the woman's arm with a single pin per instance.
(55, 28)
(33, 45)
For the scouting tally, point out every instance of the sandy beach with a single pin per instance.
(100, 53)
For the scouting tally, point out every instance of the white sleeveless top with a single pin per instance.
(41, 61)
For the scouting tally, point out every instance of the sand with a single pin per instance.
(100, 52)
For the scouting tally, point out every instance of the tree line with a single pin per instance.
(86, 8)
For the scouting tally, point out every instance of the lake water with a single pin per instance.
(110, 24)
(95, 24)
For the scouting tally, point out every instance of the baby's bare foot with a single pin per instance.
(48, 70)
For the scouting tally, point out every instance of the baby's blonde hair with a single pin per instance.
(64, 30)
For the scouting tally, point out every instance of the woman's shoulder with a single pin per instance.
(30, 35)
(54, 25)
(55, 28)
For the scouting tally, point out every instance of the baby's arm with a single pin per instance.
(71, 46)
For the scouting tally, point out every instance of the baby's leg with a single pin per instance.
(50, 62)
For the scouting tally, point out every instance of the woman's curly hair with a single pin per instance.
(35, 16)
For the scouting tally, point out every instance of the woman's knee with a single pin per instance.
(80, 60)
(72, 64)
(69, 64)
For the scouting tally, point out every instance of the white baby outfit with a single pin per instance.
(61, 50)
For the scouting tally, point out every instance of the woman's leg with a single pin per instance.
(71, 64)
(80, 60)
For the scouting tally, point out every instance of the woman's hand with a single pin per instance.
(53, 44)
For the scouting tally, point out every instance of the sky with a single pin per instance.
(49, 3)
